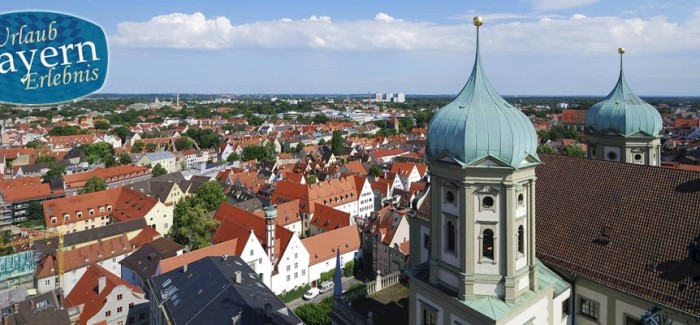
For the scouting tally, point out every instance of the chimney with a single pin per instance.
(267, 311)
(238, 277)
(101, 284)
(184, 268)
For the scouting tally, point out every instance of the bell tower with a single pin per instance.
(482, 157)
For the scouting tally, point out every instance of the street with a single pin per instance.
(347, 282)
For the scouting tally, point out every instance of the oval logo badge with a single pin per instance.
(48, 57)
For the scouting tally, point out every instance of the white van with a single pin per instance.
(325, 286)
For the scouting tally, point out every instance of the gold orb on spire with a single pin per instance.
(621, 50)
(478, 21)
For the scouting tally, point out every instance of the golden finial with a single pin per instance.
(478, 21)
(621, 50)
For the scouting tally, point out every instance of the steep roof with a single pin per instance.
(229, 248)
(86, 255)
(623, 112)
(322, 246)
(146, 259)
(329, 218)
(479, 123)
(86, 291)
(625, 226)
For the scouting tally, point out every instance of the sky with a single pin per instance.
(528, 47)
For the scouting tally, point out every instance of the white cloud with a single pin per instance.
(551, 5)
(576, 35)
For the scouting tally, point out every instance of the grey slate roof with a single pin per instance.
(49, 245)
(207, 293)
(144, 261)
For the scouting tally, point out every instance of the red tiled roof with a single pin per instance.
(86, 255)
(230, 247)
(110, 175)
(26, 188)
(328, 218)
(573, 116)
(86, 293)
(356, 167)
(625, 226)
(322, 246)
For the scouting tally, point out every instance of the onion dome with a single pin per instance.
(479, 124)
(623, 113)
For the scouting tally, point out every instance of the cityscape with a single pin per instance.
(321, 164)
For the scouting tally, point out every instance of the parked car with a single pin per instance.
(326, 286)
(311, 294)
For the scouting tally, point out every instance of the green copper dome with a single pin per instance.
(479, 123)
(622, 112)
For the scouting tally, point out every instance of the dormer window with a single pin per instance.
(53, 220)
(102, 209)
(91, 211)
(66, 216)
(79, 214)
(109, 208)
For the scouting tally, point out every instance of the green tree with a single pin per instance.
(151, 147)
(544, 135)
(209, 196)
(546, 149)
(375, 171)
(261, 153)
(55, 170)
(311, 179)
(191, 225)
(158, 170)
(44, 158)
(94, 184)
(137, 147)
(66, 130)
(255, 121)
(102, 125)
(315, 314)
(35, 144)
(337, 145)
(184, 143)
(233, 157)
(574, 151)
(299, 147)
(97, 152)
(124, 158)
(321, 118)
(121, 131)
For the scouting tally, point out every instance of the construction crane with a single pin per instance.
(47, 235)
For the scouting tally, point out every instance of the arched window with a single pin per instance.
(521, 240)
(451, 236)
(487, 249)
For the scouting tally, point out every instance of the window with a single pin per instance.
(629, 320)
(252, 252)
(487, 244)
(296, 275)
(612, 155)
(142, 316)
(131, 305)
(260, 260)
(91, 211)
(638, 157)
(565, 308)
(47, 282)
(588, 308)
(303, 272)
(426, 241)
(296, 265)
(450, 196)
(79, 214)
(108, 313)
(429, 315)
(289, 267)
(487, 202)
(119, 296)
(521, 199)
(288, 278)
(521, 240)
(119, 309)
(451, 236)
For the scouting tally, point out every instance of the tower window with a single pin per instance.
(451, 236)
(450, 196)
(612, 155)
(521, 199)
(487, 202)
(638, 156)
(487, 249)
(521, 240)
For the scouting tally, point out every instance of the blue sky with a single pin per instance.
(529, 47)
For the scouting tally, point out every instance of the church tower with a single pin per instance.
(623, 127)
(482, 156)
